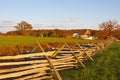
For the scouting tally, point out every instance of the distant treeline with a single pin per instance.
(108, 29)
(49, 33)
(99, 34)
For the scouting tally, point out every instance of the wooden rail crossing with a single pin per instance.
(45, 65)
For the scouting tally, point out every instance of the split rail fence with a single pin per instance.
(45, 65)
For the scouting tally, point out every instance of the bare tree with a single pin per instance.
(23, 25)
(109, 26)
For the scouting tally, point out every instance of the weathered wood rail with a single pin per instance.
(45, 65)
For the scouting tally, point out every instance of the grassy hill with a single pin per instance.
(30, 40)
(106, 66)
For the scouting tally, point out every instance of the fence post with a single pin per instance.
(85, 52)
(55, 53)
(53, 67)
(75, 55)
(40, 46)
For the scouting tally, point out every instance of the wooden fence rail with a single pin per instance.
(45, 65)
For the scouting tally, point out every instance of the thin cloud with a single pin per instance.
(59, 26)
(71, 20)
(62, 21)
(6, 29)
(56, 26)
(6, 26)
(7, 23)
(38, 26)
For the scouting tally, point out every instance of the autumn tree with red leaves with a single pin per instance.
(108, 29)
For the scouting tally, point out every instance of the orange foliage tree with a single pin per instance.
(23, 25)
(108, 29)
(24, 28)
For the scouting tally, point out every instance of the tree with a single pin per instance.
(109, 26)
(101, 34)
(108, 29)
(116, 34)
(23, 25)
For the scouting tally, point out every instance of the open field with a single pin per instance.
(8, 43)
(29, 40)
(106, 66)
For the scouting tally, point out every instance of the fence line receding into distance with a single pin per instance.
(45, 65)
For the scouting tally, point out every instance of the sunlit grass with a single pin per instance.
(30, 40)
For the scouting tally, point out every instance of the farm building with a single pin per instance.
(75, 35)
(86, 35)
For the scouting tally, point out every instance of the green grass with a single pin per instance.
(106, 66)
(30, 40)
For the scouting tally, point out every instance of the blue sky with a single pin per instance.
(61, 14)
